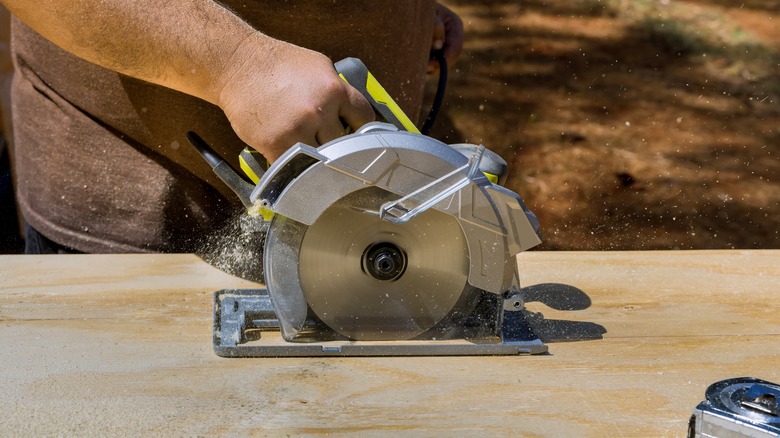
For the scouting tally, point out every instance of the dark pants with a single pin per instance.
(10, 240)
(37, 243)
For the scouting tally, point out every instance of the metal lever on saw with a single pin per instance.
(398, 213)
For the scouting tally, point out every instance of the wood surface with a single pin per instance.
(121, 345)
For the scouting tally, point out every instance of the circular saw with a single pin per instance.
(384, 241)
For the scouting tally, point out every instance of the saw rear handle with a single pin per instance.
(356, 74)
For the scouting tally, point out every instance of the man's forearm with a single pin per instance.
(274, 93)
(184, 45)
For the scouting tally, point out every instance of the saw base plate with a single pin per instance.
(245, 325)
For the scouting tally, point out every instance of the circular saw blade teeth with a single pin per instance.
(420, 275)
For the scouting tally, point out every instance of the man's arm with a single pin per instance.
(274, 93)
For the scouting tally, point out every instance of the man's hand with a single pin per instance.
(276, 94)
(447, 36)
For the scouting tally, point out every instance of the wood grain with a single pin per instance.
(121, 345)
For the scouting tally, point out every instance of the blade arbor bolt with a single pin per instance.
(384, 261)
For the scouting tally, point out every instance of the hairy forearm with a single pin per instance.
(274, 93)
(186, 45)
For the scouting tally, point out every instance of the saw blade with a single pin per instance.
(369, 279)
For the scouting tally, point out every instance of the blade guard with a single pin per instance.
(422, 171)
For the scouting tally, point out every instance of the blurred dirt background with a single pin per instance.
(628, 124)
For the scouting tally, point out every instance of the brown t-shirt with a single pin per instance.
(101, 159)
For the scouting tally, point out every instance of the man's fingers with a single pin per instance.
(437, 43)
(447, 36)
(439, 33)
(357, 111)
(453, 44)
(330, 130)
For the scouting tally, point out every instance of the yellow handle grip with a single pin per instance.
(356, 74)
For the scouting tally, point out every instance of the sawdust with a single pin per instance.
(236, 248)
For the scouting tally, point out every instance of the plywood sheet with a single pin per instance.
(121, 344)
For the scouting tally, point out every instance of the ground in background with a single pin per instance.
(628, 124)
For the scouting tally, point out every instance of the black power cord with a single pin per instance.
(437, 55)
